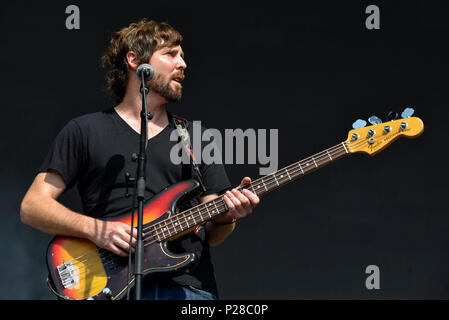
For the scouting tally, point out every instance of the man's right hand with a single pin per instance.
(113, 236)
(41, 210)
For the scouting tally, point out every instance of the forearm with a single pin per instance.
(41, 210)
(50, 216)
(218, 233)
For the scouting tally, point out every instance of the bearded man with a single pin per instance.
(94, 151)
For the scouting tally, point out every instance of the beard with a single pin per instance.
(164, 89)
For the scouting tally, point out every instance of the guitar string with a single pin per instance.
(270, 181)
(264, 181)
(158, 226)
(267, 182)
(254, 183)
(82, 275)
(157, 229)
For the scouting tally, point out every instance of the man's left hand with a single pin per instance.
(240, 203)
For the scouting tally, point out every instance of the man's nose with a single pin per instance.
(181, 64)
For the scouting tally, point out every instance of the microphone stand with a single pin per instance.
(140, 186)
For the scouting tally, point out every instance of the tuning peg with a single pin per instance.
(374, 120)
(387, 129)
(408, 112)
(359, 124)
(392, 116)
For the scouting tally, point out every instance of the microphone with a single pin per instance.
(146, 70)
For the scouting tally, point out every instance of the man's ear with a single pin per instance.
(132, 60)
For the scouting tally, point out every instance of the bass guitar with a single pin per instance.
(78, 269)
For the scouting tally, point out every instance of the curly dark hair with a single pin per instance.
(143, 37)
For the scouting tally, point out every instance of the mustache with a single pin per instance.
(179, 75)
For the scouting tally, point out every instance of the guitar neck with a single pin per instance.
(197, 215)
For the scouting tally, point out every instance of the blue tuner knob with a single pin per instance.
(374, 120)
(408, 112)
(359, 123)
(392, 116)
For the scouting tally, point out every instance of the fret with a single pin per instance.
(162, 230)
(258, 187)
(193, 216)
(299, 164)
(187, 222)
(199, 209)
(307, 165)
(172, 224)
(276, 180)
(285, 175)
(216, 209)
(286, 171)
(329, 155)
(279, 178)
(263, 182)
(337, 153)
(314, 162)
(157, 234)
(176, 224)
(207, 209)
(224, 204)
(167, 228)
(344, 146)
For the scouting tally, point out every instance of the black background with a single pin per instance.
(306, 68)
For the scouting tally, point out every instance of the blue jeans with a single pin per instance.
(174, 292)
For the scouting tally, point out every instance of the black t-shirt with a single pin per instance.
(95, 151)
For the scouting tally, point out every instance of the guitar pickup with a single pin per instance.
(67, 273)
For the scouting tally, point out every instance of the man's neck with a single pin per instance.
(131, 107)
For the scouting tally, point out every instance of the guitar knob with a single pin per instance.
(371, 133)
(107, 292)
(408, 112)
(359, 124)
(392, 116)
(355, 136)
(387, 129)
(374, 120)
(403, 126)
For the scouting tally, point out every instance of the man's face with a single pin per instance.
(169, 66)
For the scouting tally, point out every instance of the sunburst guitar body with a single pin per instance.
(79, 269)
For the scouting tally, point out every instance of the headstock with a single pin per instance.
(374, 138)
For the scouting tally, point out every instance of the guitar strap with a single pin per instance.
(181, 127)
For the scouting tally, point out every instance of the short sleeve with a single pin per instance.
(215, 179)
(66, 154)
(213, 173)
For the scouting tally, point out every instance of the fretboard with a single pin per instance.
(198, 215)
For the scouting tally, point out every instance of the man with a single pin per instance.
(94, 152)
